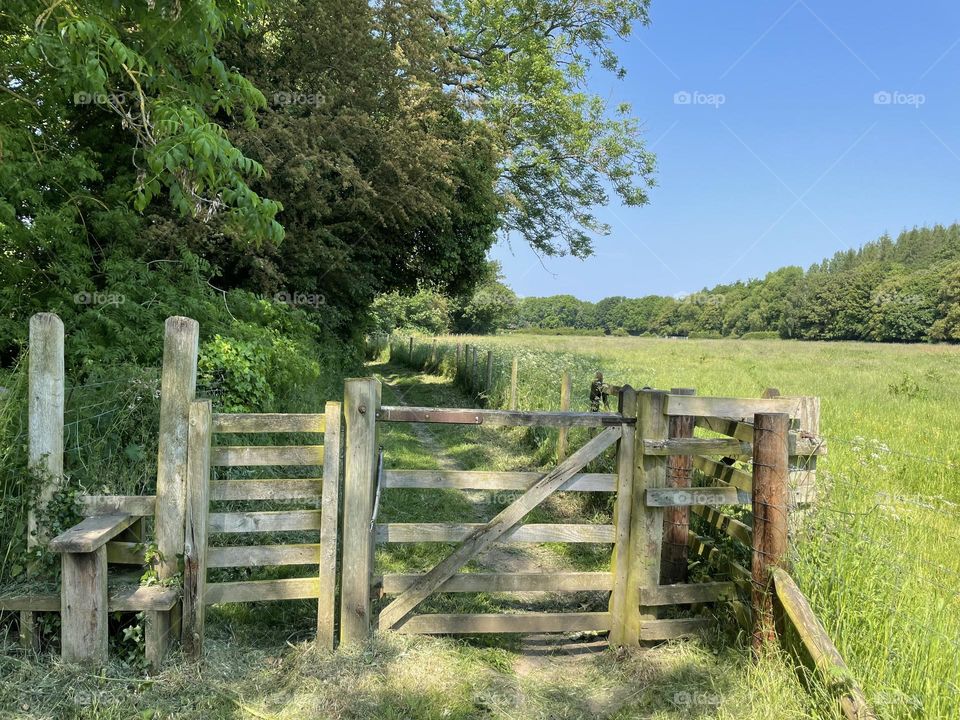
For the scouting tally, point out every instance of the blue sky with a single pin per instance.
(838, 122)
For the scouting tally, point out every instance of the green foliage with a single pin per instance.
(760, 335)
(491, 306)
(426, 311)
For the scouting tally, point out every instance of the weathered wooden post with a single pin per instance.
(433, 355)
(514, 377)
(410, 353)
(646, 531)
(676, 520)
(329, 522)
(489, 378)
(178, 384)
(622, 614)
(456, 364)
(770, 475)
(45, 431)
(473, 372)
(566, 390)
(195, 535)
(361, 402)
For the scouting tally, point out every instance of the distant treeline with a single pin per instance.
(906, 290)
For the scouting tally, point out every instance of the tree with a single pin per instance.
(490, 307)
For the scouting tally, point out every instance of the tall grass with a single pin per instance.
(880, 557)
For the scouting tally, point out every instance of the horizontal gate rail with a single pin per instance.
(392, 584)
(469, 624)
(489, 480)
(499, 418)
(456, 532)
(269, 423)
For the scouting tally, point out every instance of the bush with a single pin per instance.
(761, 335)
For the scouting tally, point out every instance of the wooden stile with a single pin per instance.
(361, 404)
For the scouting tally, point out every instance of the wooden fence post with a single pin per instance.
(676, 520)
(410, 353)
(361, 403)
(622, 614)
(473, 372)
(45, 403)
(83, 610)
(45, 413)
(489, 379)
(178, 386)
(566, 390)
(195, 535)
(646, 523)
(330, 510)
(770, 474)
(456, 364)
(433, 355)
(514, 377)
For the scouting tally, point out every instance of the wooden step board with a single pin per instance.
(125, 599)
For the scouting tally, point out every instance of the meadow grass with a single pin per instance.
(880, 557)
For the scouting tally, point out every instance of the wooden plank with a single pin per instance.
(45, 403)
(178, 383)
(505, 582)
(676, 518)
(487, 480)
(669, 629)
(37, 602)
(623, 612)
(263, 521)
(124, 553)
(724, 523)
(27, 626)
(725, 426)
(726, 474)
(196, 531)
(498, 418)
(736, 409)
(156, 637)
(137, 598)
(688, 594)
(258, 455)
(261, 555)
(272, 489)
(827, 660)
(805, 444)
(503, 523)
(728, 446)
(646, 532)
(138, 505)
(703, 547)
(83, 609)
(566, 390)
(685, 497)
(91, 533)
(361, 404)
(770, 474)
(469, 624)
(456, 532)
(268, 423)
(329, 512)
(257, 590)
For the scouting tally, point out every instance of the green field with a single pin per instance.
(880, 557)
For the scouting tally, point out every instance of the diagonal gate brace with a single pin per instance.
(499, 526)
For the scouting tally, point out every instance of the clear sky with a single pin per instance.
(811, 126)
